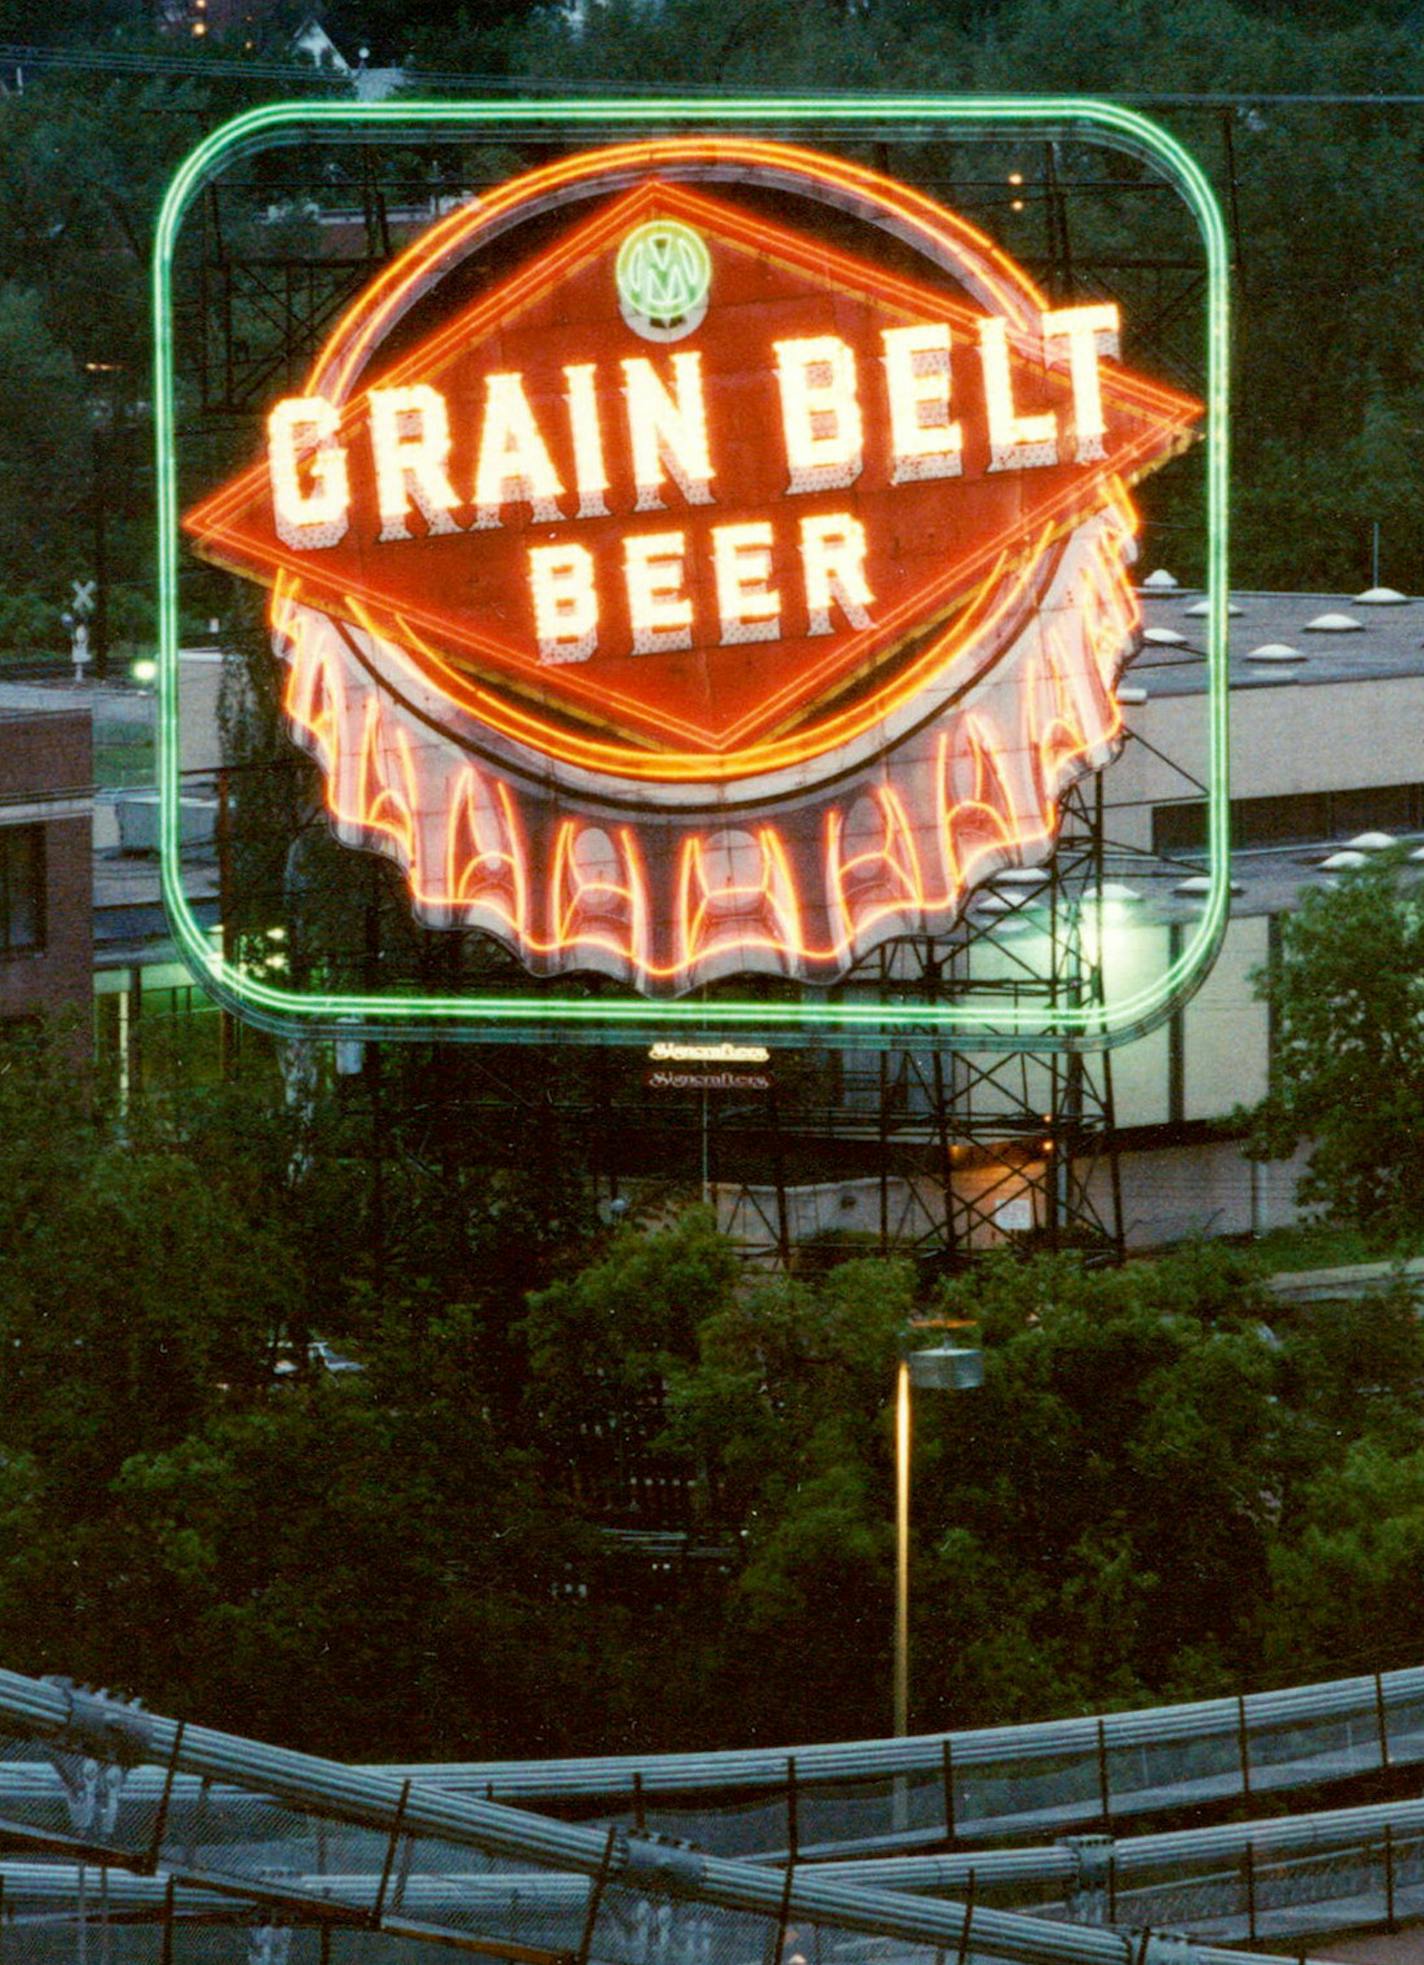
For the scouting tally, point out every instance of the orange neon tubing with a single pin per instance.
(364, 319)
(569, 891)
(896, 860)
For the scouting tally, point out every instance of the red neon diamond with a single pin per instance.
(461, 603)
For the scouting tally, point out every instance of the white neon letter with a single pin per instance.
(833, 559)
(300, 429)
(668, 433)
(820, 413)
(660, 611)
(750, 610)
(565, 602)
(410, 441)
(1016, 443)
(1089, 332)
(590, 472)
(924, 442)
(514, 459)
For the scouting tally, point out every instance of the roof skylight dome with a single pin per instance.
(1204, 607)
(1276, 651)
(1347, 857)
(1200, 883)
(1372, 842)
(1161, 581)
(1130, 693)
(1334, 624)
(1164, 637)
(1381, 597)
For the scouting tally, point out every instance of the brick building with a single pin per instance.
(46, 864)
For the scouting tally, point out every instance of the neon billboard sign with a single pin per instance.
(702, 557)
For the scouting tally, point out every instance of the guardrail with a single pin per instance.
(817, 1803)
(1267, 1879)
(989, 1784)
(649, 1901)
(1270, 1879)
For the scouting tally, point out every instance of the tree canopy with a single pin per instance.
(1346, 994)
(1133, 1504)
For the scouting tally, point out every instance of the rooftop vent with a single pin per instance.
(1334, 624)
(1160, 582)
(1381, 597)
(1200, 883)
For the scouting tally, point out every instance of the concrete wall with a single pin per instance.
(1174, 1192)
(1169, 1194)
(1336, 736)
(200, 682)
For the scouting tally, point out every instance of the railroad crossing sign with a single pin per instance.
(83, 592)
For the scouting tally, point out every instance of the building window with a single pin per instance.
(22, 897)
(1294, 819)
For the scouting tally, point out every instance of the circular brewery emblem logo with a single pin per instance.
(664, 277)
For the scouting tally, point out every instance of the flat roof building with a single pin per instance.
(1326, 706)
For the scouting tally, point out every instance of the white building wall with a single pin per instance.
(1344, 736)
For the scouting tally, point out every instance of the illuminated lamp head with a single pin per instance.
(733, 583)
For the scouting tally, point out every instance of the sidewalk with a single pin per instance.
(1336, 1285)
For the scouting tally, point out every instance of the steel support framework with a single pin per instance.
(974, 1130)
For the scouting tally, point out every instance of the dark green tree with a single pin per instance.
(1347, 1065)
(1349, 1583)
(602, 1343)
(1094, 1521)
(44, 448)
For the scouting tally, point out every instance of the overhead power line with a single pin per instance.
(197, 67)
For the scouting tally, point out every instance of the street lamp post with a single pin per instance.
(902, 1550)
(939, 1368)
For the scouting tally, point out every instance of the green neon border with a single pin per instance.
(637, 1019)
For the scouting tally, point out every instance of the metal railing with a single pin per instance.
(967, 1788)
(308, 1822)
(1267, 1879)
(1272, 1877)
